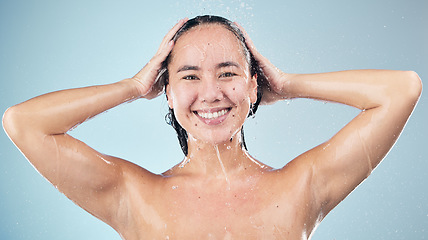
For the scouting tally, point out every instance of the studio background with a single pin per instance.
(53, 45)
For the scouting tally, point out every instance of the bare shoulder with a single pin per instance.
(134, 175)
(298, 170)
(135, 195)
(297, 179)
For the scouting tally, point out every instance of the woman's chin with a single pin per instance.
(212, 138)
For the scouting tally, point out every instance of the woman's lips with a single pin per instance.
(213, 116)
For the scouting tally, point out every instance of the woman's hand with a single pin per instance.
(277, 81)
(147, 78)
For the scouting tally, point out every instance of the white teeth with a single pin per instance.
(212, 115)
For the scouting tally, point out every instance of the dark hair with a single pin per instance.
(254, 70)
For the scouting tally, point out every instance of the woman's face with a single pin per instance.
(210, 88)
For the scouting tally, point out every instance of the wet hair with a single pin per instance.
(255, 70)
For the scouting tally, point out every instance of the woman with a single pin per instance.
(214, 78)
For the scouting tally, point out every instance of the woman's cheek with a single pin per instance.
(237, 92)
(184, 95)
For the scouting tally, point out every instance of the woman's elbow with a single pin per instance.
(413, 87)
(13, 123)
(8, 122)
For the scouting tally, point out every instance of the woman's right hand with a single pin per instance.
(148, 85)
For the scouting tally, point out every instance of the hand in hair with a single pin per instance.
(147, 78)
(275, 88)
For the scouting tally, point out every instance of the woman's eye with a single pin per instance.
(190, 77)
(227, 74)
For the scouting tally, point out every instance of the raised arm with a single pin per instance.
(94, 181)
(386, 98)
(336, 167)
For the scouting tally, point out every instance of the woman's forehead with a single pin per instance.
(201, 31)
(204, 42)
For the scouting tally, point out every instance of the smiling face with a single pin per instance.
(210, 88)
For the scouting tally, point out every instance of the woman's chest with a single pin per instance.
(251, 211)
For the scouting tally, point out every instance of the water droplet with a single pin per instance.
(185, 161)
(174, 187)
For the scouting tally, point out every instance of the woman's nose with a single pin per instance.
(210, 90)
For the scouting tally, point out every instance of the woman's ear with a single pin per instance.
(169, 96)
(253, 89)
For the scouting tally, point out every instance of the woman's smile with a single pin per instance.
(213, 116)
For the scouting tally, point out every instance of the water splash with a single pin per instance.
(235, 10)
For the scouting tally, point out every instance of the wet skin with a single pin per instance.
(219, 191)
(257, 204)
(208, 74)
(224, 192)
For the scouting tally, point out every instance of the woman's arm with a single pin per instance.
(386, 98)
(336, 167)
(39, 126)
(94, 181)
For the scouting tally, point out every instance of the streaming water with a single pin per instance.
(222, 166)
(184, 162)
(254, 161)
(105, 160)
(367, 152)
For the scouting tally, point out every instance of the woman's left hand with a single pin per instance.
(277, 81)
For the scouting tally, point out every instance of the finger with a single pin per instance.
(168, 37)
(248, 40)
(162, 53)
(174, 29)
(250, 43)
(167, 43)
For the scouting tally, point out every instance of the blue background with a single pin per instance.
(52, 45)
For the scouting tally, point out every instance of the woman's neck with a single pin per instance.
(224, 160)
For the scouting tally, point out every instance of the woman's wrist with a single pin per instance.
(133, 86)
(288, 89)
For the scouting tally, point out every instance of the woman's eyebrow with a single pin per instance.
(218, 66)
(187, 68)
(227, 64)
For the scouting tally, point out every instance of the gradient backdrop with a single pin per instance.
(52, 45)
